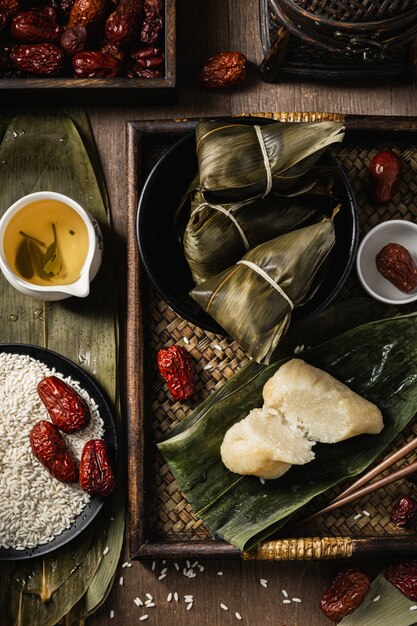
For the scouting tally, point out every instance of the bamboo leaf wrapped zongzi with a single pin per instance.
(239, 161)
(216, 235)
(253, 300)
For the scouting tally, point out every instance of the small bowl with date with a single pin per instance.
(387, 262)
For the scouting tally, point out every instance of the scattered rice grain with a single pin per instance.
(121, 580)
(189, 606)
(125, 564)
(142, 619)
(153, 565)
(224, 607)
(284, 593)
(186, 340)
(169, 597)
(138, 602)
(296, 599)
(176, 597)
(376, 599)
(358, 516)
(219, 573)
(366, 513)
(148, 595)
(111, 614)
(162, 576)
(413, 608)
(238, 615)
(106, 550)
(208, 367)
(286, 602)
(177, 567)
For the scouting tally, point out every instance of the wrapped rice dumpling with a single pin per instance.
(239, 161)
(216, 236)
(253, 300)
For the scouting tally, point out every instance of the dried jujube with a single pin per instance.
(385, 172)
(396, 264)
(345, 593)
(41, 59)
(50, 449)
(404, 511)
(177, 368)
(66, 408)
(404, 577)
(96, 471)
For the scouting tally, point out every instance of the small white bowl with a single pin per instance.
(392, 231)
(81, 287)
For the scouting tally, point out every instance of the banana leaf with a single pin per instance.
(233, 165)
(391, 607)
(52, 150)
(253, 300)
(377, 360)
(216, 236)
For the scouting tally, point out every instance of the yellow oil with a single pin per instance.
(36, 220)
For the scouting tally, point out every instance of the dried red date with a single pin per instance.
(50, 449)
(122, 27)
(345, 593)
(153, 23)
(177, 369)
(42, 59)
(68, 411)
(223, 70)
(404, 577)
(95, 64)
(149, 58)
(114, 51)
(36, 26)
(403, 512)
(62, 7)
(9, 7)
(385, 172)
(74, 40)
(88, 13)
(96, 472)
(140, 72)
(396, 264)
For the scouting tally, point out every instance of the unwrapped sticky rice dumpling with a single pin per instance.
(264, 445)
(324, 408)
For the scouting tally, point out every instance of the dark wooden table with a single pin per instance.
(204, 28)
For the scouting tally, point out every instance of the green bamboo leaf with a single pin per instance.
(51, 261)
(391, 607)
(41, 151)
(218, 235)
(241, 510)
(232, 156)
(50, 572)
(293, 262)
(24, 264)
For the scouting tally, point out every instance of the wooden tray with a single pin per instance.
(92, 90)
(162, 524)
(288, 55)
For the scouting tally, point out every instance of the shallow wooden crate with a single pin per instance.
(97, 91)
(161, 522)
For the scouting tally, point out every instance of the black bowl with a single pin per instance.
(162, 254)
(89, 513)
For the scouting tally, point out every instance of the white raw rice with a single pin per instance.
(238, 615)
(35, 506)
(224, 607)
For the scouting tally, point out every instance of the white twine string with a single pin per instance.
(266, 161)
(220, 208)
(264, 275)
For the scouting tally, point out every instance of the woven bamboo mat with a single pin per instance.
(218, 358)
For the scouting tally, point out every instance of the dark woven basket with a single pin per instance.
(362, 28)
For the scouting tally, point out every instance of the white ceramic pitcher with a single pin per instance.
(81, 287)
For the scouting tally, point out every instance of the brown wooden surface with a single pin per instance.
(205, 28)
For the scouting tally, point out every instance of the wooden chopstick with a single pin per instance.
(378, 469)
(354, 492)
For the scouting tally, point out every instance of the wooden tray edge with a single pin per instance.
(299, 548)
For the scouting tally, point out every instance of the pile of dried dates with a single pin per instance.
(82, 38)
